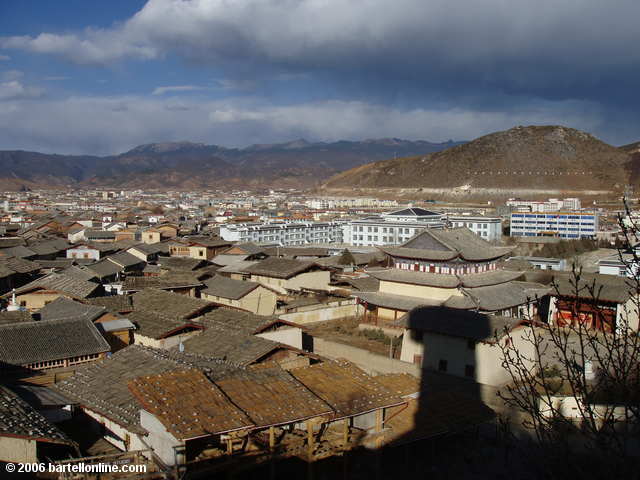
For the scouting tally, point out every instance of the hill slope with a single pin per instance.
(533, 158)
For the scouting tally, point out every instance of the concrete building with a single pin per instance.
(552, 205)
(284, 234)
(392, 228)
(489, 228)
(568, 225)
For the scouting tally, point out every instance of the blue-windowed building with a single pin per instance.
(569, 225)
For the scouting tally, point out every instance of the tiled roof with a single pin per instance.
(246, 322)
(346, 388)
(104, 268)
(80, 273)
(396, 302)
(188, 404)
(167, 281)
(19, 265)
(30, 342)
(447, 244)
(63, 308)
(401, 384)
(279, 267)
(16, 316)
(225, 287)
(506, 295)
(20, 251)
(271, 396)
(155, 324)
(170, 304)
(61, 283)
(125, 259)
(180, 263)
(19, 419)
(603, 287)
(113, 303)
(102, 386)
(457, 323)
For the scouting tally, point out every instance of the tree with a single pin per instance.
(346, 258)
(577, 395)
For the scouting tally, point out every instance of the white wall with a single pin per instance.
(18, 450)
(160, 440)
(287, 335)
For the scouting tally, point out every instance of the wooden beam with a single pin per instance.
(310, 439)
(345, 432)
(272, 438)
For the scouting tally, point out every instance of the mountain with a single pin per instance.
(516, 161)
(186, 165)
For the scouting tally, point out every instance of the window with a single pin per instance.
(201, 253)
(442, 365)
(469, 371)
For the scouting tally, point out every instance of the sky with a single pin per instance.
(101, 77)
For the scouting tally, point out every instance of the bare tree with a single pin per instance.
(576, 392)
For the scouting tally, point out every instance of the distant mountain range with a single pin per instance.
(517, 161)
(186, 165)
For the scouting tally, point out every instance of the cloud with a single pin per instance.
(10, 75)
(4, 58)
(176, 88)
(106, 125)
(14, 89)
(55, 78)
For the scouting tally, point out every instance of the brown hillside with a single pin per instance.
(534, 157)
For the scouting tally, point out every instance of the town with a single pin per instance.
(212, 331)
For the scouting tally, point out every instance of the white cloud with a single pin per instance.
(15, 89)
(176, 88)
(10, 75)
(105, 125)
(55, 78)
(4, 58)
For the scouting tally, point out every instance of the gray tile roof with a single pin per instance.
(61, 283)
(396, 302)
(506, 295)
(180, 263)
(457, 323)
(19, 251)
(17, 316)
(19, 265)
(446, 244)
(170, 304)
(279, 267)
(19, 419)
(154, 324)
(219, 340)
(102, 386)
(603, 287)
(80, 273)
(167, 281)
(30, 342)
(125, 259)
(246, 322)
(225, 287)
(104, 268)
(484, 279)
(63, 308)
(113, 303)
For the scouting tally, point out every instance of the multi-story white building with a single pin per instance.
(397, 227)
(285, 233)
(392, 228)
(551, 205)
(489, 228)
(570, 225)
(325, 203)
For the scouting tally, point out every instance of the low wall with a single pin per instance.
(322, 313)
(375, 364)
(370, 362)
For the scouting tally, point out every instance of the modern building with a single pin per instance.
(284, 234)
(552, 205)
(570, 225)
(392, 228)
(489, 228)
